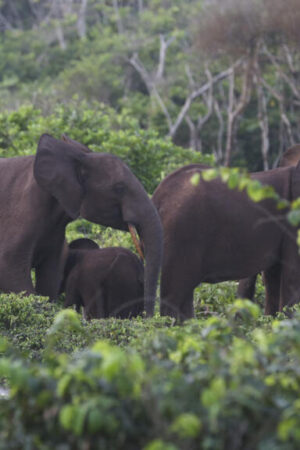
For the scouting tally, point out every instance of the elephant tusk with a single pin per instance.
(135, 240)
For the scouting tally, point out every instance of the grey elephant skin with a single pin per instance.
(214, 234)
(41, 194)
(106, 282)
(246, 287)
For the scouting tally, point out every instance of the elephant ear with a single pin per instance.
(56, 170)
(80, 146)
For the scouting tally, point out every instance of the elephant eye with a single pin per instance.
(119, 188)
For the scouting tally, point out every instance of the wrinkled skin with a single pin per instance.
(41, 194)
(246, 287)
(106, 282)
(214, 234)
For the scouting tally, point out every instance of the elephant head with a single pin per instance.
(77, 244)
(101, 188)
(83, 244)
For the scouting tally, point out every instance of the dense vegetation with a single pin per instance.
(216, 75)
(151, 81)
(229, 379)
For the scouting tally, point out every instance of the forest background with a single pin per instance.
(216, 76)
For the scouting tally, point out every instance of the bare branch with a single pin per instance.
(81, 20)
(194, 141)
(263, 123)
(118, 17)
(234, 111)
(283, 75)
(289, 58)
(140, 6)
(189, 75)
(197, 93)
(137, 64)
(208, 100)
(219, 152)
(162, 56)
(283, 114)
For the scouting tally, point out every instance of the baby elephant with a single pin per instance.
(107, 282)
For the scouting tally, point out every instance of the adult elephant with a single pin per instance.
(246, 286)
(213, 234)
(106, 282)
(41, 194)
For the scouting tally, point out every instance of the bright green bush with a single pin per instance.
(27, 322)
(199, 386)
(101, 128)
(24, 321)
(104, 236)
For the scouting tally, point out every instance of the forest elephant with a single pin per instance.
(71, 252)
(213, 234)
(246, 286)
(106, 282)
(41, 194)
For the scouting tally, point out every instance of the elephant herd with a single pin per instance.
(191, 233)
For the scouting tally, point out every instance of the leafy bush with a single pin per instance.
(203, 385)
(27, 323)
(101, 128)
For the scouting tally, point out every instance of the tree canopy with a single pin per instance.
(219, 76)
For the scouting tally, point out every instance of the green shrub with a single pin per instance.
(199, 386)
(27, 323)
(101, 128)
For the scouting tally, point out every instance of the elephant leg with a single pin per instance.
(177, 287)
(48, 276)
(16, 277)
(290, 279)
(246, 287)
(94, 304)
(178, 305)
(272, 278)
(73, 296)
(187, 308)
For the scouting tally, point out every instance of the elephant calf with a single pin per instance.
(106, 282)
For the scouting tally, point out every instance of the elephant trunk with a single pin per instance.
(152, 236)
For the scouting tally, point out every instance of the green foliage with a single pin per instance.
(98, 126)
(25, 321)
(240, 179)
(236, 178)
(206, 384)
(31, 325)
(45, 60)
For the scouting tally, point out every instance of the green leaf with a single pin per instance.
(294, 217)
(66, 416)
(209, 174)
(186, 425)
(195, 179)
